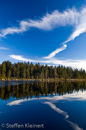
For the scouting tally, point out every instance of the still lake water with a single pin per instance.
(52, 106)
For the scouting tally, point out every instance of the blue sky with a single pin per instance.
(50, 32)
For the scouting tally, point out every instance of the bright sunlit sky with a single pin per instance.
(51, 32)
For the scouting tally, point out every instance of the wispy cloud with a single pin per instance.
(52, 54)
(57, 109)
(79, 28)
(17, 102)
(68, 97)
(51, 100)
(3, 48)
(75, 126)
(69, 17)
(47, 22)
(70, 62)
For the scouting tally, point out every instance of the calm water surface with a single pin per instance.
(52, 106)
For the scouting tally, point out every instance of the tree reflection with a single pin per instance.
(28, 90)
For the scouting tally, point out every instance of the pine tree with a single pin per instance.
(4, 70)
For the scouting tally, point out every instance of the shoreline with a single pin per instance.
(43, 80)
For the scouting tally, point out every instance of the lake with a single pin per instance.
(42, 105)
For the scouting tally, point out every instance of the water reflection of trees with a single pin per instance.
(28, 90)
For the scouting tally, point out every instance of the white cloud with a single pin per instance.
(75, 126)
(80, 26)
(80, 96)
(71, 63)
(47, 22)
(52, 54)
(72, 17)
(69, 17)
(3, 48)
(57, 109)
(17, 102)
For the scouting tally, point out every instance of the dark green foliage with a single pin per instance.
(3, 70)
(0, 71)
(28, 70)
(28, 90)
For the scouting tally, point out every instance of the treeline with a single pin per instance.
(28, 90)
(28, 70)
